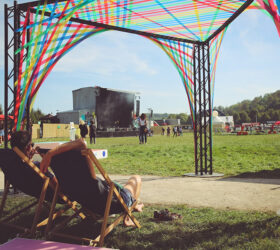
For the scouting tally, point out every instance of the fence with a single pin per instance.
(51, 130)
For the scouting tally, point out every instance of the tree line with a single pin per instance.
(260, 109)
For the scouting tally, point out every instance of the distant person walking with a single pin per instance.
(180, 131)
(168, 131)
(174, 131)
(162, 131)
(83, 129)
(92, 132)
(143, 129)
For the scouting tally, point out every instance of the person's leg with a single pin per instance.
(134, 186)
(90, 139)
(141, 135)
(94, 138)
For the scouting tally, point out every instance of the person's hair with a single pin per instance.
(20, 139)
(143, 116)
(82, 122)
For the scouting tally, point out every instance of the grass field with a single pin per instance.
(232, 155)
(200, 228)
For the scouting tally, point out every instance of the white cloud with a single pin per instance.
(95, 57)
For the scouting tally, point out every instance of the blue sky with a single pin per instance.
(248, 66)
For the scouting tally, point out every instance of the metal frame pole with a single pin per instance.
(28, 100)
(16, 46)
(210, 111)
(204, 110)
(200, 110)
(195, 109)
(6, 76)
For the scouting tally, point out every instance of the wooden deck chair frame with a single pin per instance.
(105, 228)
(40, 201)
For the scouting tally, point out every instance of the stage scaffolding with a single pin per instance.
(201, 77)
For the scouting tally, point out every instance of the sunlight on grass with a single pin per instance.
(232, 155)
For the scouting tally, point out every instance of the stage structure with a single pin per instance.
(112, 108)
(39, 33)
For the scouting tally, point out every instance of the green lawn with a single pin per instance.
(232, 155)
(200, 228)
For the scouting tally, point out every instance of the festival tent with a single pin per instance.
(222, 121)
(276, 124)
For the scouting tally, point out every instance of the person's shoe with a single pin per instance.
(165, 215)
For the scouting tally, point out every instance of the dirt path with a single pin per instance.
(221, 193)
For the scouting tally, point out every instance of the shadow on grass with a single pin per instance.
(216, 235)
(182, 234)
(267, 174)
(263, 177)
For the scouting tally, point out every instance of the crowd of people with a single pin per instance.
(177, 131)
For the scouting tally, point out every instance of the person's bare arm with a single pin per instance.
(78, 144)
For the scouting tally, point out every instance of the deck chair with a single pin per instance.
(25, 176)
(75, 184)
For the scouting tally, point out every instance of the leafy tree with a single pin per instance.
(236, 118)
(172, 116)
(183, 117)
(244, 117)
(189, 121)
(264, 118)
(274, 115)
(269, 104)
(35, 115)
(253, 114)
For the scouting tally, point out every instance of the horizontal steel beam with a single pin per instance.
(230, 20)
(111, 27)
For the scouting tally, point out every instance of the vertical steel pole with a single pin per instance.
(210, 110)
(200, 110)
(16, 46)
(28, 100)
(195, 107)
(205, 148)
(6, 80)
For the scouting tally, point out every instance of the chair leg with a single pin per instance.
(106, 215)
(50, 219)
(4, 198)
(39, 207)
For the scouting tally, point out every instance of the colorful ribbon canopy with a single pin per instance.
(51, 30)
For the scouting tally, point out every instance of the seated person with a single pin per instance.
(22, 140)
(81, 181)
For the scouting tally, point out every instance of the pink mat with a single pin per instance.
(28, 244)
